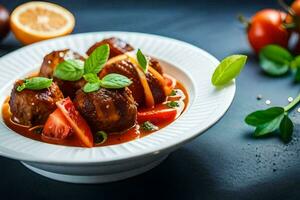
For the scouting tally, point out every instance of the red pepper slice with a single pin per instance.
(157, 116)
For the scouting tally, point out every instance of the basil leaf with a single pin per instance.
(295, 66)
(275, 60)
(261, 117)
(268, 127)
(295, 63)
(228, 69)
(35, 83)
(286, 129)
(100, 137)
(91, 78)
(143, 62)
(69, 70)
(297, 75)
(148, 126)
(91, 87)
(115, 81)
(96, 61)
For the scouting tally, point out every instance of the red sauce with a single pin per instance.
(113, 138)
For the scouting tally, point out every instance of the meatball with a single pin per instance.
(106, 109)
(49, 64)
(32, 107)
(52, 59)
(126, 68)
(117, 46)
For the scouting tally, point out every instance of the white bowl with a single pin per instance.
(189, 64)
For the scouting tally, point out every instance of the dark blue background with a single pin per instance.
(224, 163)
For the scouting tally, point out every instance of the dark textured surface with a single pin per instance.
(224, 163)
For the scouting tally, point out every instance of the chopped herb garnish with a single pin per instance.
(172, 104)
(100, 137)
(37, 130)
(148, 126)
(173, 93)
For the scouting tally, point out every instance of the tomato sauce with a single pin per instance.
(112, 139)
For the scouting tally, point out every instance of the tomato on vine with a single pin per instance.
(266, 27)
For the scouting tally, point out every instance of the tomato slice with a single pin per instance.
(76, 121)
(56, 127)
(157, 116)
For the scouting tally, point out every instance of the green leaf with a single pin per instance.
(275, 60)
(100, 137)
(69, 70)
(35, 83)
(115, 81)
(297, 75)
(91, 87)
(261, 117)
(286, 129)
(268, 127)
(21, 87)
(143, 62)
(148, 126)
(91, 78)
(172, 104)
(173, 93)
(228, 69)
(96, 61)
(295, 63)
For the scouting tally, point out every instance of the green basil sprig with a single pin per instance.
(96, 61)
(142, 60)
(69, 70)
(35, 83)
(295, 66)
(73, 70)
(228, 69)
(91, 87)
(110, 81)
(275, 60)
(115, 81)
(273, 119)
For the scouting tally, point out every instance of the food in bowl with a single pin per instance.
(114, 95)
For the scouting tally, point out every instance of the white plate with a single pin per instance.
(189, 64)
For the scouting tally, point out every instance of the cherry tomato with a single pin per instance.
(293, 18)
(76, 121)
(56, 127)
(157, 116)
(266, 27)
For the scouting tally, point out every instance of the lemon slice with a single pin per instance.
(35, 21)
